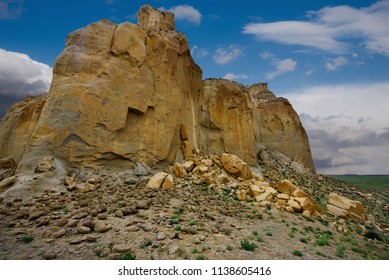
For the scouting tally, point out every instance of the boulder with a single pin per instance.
(346, 208)
(286, 187)
(189, 165)
(235, 166)
(179, 170)
(157, 180)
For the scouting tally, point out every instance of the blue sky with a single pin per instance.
(329, 58)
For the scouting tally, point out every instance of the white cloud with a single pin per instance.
(20, 75)
(330, 28)
(199, 52)
(335, 63)
(11, 9)
(266, 55)
(347, 126)
(185, 12)
(283, 66)
(234, 77)
(224, 56)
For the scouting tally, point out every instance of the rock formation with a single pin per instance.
(128, 93)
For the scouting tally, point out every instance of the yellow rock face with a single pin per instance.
(127, 93)
(236, 119)
(346, 208)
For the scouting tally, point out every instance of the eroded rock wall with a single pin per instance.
(119, 92)
(127, 93)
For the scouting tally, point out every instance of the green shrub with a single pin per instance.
(128, 256)
(340, 249)
(247, 245)
(297, 253)
(27, 238)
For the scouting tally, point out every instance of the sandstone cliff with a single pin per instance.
(238, 119)
(127, 93)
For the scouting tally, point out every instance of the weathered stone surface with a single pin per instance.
(236, 119)
(46, 165)
(285, 186)
(127, 93)
(152, 18)
(7, 162)
(156, 181)
(189, 165)
(7, 182)
(168, 183)
(117, 90)
(235, 166)
(353, 210)
(179, 170)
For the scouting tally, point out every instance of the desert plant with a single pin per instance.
(340, 249)
(27, 238)
(304, 240)
(229, 247)
(128, 256)
(297, 253)
(247, 245)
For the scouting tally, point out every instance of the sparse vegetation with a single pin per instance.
(246, 245)
(128, 256)
(297, 253)
(340, 249)
(200, 257)
(229, 247)
(27, 238)
(304, 240)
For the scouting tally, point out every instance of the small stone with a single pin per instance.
(129, 210)
(155, 244)
(201, 237)
(59, 233)
(173, 249)
(35, 215)
(161, 236)
(72, 223)
(140, 169)
(145, 227)
(144, 204)
(102, 227)
(83, 229)
(49, 256)
(283, 196)
(174, 235)
(207, 162)
(102, 216)
(122, 248)
(69, 181)
(119, 214)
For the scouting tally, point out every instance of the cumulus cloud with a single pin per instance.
(21, 76)
(234, 77)
(282, 67)
(224, 56)
(11, 9)
(335, 63)
(347, 126)
(185, 12)
(329, 29)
